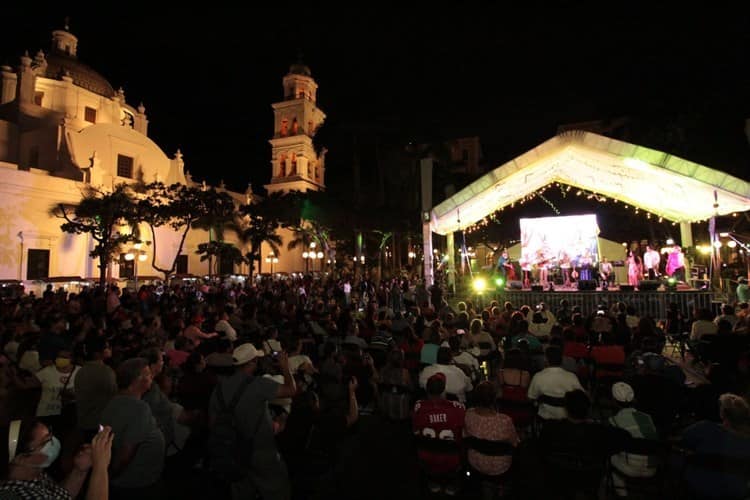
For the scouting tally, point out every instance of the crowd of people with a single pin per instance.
(258, 389)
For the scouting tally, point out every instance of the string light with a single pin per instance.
(564, 188)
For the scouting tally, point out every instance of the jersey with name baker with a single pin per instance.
(440, 419)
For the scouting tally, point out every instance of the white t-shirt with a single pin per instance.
(53, 381)
(456, 381)
(223, 326)
(553, 381)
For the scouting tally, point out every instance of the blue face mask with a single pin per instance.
(51, 450)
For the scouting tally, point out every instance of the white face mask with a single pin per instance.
(51, 450)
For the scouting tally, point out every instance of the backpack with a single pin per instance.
(229, 452)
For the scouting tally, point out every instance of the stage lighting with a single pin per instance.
(479, 284)
(672, 281)
(499, 282)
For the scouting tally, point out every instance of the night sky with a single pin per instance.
(510, 76)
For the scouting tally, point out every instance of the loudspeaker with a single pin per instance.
(586, 285)
(515, 285)
(627, 288)
(648, 285)
(537, 288)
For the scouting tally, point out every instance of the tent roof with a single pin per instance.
(668, 186)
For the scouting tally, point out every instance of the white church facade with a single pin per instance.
(64, 127)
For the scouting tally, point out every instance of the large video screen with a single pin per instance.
(556, 241)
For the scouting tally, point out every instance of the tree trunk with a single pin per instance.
(102, 271)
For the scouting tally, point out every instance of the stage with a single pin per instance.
(646, 303)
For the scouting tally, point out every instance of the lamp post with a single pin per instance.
(137, 251)
(312, 255)
(272, 259)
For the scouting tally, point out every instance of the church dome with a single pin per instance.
(300, 69)
(83, 76)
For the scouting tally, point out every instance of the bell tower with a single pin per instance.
(295, 165)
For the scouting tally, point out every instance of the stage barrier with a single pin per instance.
(652, 304)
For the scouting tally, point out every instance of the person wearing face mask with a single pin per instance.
(31, 448)
(56, 380)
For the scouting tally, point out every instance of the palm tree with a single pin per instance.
(254, 230)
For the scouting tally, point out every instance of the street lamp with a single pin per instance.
(137, 251)
(272, 259)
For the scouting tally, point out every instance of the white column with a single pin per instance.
(451, 252)
(429, 278)
(686, 238)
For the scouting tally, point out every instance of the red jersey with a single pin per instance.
(609, 355)
(439, 419)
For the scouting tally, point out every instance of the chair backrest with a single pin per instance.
(646, 447)
(552, 400)
(489, 447)
(436, 445)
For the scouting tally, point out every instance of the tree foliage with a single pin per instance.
(182, 208)
(101, 214)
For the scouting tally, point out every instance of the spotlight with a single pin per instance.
(499, 282)
(479, 284)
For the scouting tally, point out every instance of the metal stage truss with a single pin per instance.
(646, 303)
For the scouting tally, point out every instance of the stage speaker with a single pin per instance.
(515, 285)
(586, 284)
(627, 288)
(537, 288)
(648, 285)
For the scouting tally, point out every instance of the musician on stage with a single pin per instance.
(565, 268)
(502, 265)
(606, 273)
(586, 262)
(651, 261)
(526, 269)
(676, 263)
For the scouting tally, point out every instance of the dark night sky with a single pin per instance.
(208, 77)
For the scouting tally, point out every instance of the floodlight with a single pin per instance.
(479, 284)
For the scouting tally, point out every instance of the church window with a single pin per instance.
(282, 166)
(38, 96)
(295, 127)
(37, 264)
(89, 115)
(284, 128)
(310, 128)
(125, 166)
(293, 170)
(182, 264)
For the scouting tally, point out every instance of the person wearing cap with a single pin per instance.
(439, 418)
(267, 472)
(638, 425)
(457, 382)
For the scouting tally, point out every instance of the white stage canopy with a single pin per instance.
(665, 185)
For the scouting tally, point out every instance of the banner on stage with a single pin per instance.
(569, 241)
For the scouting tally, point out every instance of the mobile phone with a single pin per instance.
(101, 427)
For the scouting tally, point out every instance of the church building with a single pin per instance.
(63, 127)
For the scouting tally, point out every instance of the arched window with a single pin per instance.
(295, 127)
(310, 128)
(282, 166)
(293, 170)
(284, 128)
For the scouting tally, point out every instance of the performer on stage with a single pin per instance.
(676, 263)
(606, 273)
(651, 261)
(586, 262)
(505, 267)
(635, 269)
(526, 269)
(565, 267)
